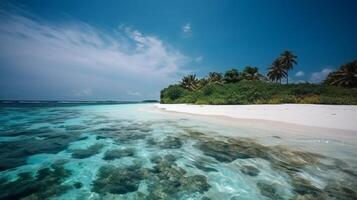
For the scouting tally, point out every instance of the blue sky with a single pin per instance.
(129, 50)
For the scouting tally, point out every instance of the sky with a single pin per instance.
(130, 50)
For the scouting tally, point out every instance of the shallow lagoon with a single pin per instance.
(131, 151)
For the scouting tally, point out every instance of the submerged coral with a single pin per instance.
(169, 181)
(45, 184)
(88, 152)
(233, 149)
(269, 190)
(117, 180)
(170, 143)
(165, 180)
(15, 153)
(118, 153)
(249, 170)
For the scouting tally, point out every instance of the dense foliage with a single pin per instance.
(346, 76)
(251, 87)
(260, 92)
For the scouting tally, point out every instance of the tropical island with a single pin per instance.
(251, 87)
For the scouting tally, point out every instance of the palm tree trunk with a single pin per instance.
(287, 79)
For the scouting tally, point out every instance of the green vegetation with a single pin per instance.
(259, 92)
(346, 76)
(251, 87)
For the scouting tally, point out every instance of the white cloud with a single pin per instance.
(187, 28)
(83, 93)
(76, 55)
(198, 59)
(133, 93)
(300, 74)
(317, 77)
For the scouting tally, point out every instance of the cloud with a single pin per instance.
(317, 77)
(83, 93)
(300, 74)
(42, 56)
(198, 59)
(187, 28)
(132, 93)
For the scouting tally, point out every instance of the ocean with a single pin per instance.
(59, 150)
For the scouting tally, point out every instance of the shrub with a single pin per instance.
(173, 92)
(257, 92)
(208, 89)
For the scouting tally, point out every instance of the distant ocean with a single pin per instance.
(129, 150)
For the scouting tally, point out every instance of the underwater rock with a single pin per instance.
(15, 153)
(193, 134)
(75, 127)
(20, 130)
(307, 197)
(77, 185)
(340, 191)
(304, 187)
(203, 164)
(204, 168)
(151, 142)
(100, 137)
(82, 138)
(268, 190)
(170, 158)
(115, 180)
(108, 129)
(46, 184)
(88, 152)
(294, 158)
(249, 170)
(196, 183)
(232, 150)
(128, 136)
(170, 143)
(168, 181)
(118, 153)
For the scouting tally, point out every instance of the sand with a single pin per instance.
(324, 116)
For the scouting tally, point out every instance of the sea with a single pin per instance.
(111, 150)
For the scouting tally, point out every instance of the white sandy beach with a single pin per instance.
(323, 116)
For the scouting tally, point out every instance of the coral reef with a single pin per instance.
(118, 153)
(117, 180)
(88, 152)
(249, 170)
(45, 184)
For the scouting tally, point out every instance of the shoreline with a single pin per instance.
(339, 117)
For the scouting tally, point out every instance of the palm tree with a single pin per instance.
(202, 82)
(232, 76)
(346, 76)
(215, 78)
(287, 60)
(252, 73)
(189, 82)
(276, 72)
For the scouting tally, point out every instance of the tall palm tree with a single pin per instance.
(215, 78)
(346, 76)
(202, 82)
(288, 60)
(232, 76)
(276, 72)
(189, 82)
(252, 73)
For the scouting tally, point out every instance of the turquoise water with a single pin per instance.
(132, 151)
